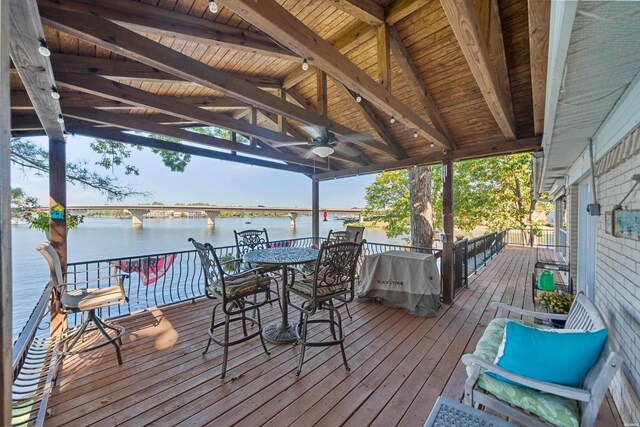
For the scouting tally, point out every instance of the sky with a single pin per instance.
(204, 180)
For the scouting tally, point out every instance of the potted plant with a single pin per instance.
(557, 302)
(38, 218)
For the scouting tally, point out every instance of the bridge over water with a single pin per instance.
(212, 212)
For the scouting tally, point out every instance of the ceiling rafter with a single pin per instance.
(130, 122)
(34, 69)
(400, 9)
(384, 57)
(466, 25)
(496, 148)
(154, 20)
(409, 70)
(108, 35)
(539, 16)
(369, 115)
(276, 21)
(367, 11)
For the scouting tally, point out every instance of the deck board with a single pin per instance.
(400, 364)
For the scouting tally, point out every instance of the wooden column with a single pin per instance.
(447, 219)
(58, 196)
(6, 342)
(315, 209)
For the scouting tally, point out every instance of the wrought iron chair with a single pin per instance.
(231, 291)
(333, 279)
(251, 240)
(85, 300)
(342, 236)
(356, 229)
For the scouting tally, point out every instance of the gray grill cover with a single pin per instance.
(401, 279)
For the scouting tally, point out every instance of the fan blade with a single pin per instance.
(353, 137)
(309, 154)
(288, 144)
(314, 131)
(345, 149)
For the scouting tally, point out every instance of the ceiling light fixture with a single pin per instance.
(54, 92)
(60, 119)
(415, 133)
(432, 145)
(393, 119)
(358, 98)
(43, 48)
(323, 150)
(213, 6)
(305, 64)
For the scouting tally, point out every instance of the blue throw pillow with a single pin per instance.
(553, 355)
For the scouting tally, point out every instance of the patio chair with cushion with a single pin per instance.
(333, 279)
(79, 297)
(232, 292)
(537, 393)
(251, 240)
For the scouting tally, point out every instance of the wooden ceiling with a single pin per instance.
(456, 75)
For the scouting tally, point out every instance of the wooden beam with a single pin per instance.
(488, 149)
(367, 11)
(321, 93)
(465, 24)
(128, 138)
(280, 24)
(113, 90)
(133, 70)
(419, 89)
(120, 40)
(369, 115)
(400, 9)
(6, 283)
(447, 274)
(254, 121)
(539, 21)
(34, 69)
(384, 57)
(296, 97)
(129, 122)
(344, 43)
(497, 53)
(158, 21)
(315, 210)
(58, 196)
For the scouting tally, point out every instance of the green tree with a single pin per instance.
(388, 200)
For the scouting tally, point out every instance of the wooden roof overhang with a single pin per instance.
(461, 78)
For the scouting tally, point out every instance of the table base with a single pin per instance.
(278, 333)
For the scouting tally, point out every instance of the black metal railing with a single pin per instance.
(471, 254)
(531, 237)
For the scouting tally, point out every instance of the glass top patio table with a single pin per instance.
(283, 331)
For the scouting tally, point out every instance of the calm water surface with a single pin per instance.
(99, 238)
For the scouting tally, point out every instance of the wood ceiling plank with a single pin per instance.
(321, 93)
(177, 26)
(129, 122)
(34, 70)
(274, 20)
(487, 149)
(367, 11)
(464, 21)
(410, 72)
(400, 9)
(123, 41)
(539, 18)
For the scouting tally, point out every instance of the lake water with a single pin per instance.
(100, 238)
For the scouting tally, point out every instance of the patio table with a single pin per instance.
(283, 331)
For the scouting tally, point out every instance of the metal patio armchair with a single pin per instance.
(342, 236)
(333, 279)
(231, 291)
(86, 300)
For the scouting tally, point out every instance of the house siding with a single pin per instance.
(618, 286)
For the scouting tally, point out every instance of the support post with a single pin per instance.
(6, 373)
(137, 216)
(315, 210)
(447, 217)
(292, 217)
(211, 218)
(360, 217)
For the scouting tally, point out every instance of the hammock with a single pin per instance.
(150, 269)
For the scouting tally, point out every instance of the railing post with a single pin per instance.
(447, 245)
(6, 373)
(315, 210)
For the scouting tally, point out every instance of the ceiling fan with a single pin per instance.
(324, 142)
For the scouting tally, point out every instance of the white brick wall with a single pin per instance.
(618, 287)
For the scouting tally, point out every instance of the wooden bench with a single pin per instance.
(583, 315)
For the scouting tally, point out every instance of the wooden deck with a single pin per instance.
(400, 364)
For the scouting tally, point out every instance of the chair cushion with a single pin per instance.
(239, 286)
(557, 410)
(305, 286)
(90, 298)
(571, 353)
